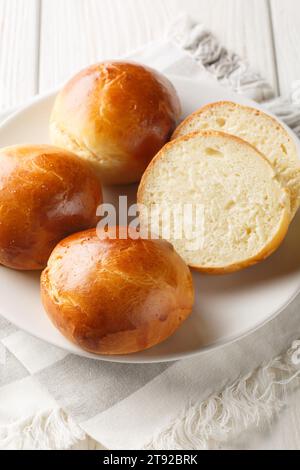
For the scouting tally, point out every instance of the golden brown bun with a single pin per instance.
(116, 296)
(116, 115)
(45, 195)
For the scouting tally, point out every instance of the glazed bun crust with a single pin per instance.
(116, 296)
(116, 115)
(45, 195)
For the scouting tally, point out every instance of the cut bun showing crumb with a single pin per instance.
(259, 129)
(245, 210)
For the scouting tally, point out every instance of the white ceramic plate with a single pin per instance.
(226, 309)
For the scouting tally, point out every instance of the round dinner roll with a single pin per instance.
(46, 194)
(116, 296)
(117, 116)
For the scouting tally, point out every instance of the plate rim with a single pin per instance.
(131, 359)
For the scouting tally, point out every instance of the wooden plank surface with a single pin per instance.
(75, 33)
(19, 38)
(286, 26)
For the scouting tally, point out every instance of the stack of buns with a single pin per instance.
(115, 290)
(242, 167)
(108, 294)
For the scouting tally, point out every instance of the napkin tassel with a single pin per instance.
(249, 402)
(48, 430)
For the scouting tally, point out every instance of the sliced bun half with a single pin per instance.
(245, 210)
(259, 129)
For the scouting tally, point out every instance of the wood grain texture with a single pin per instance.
(78, 32)
(83, 32)
(19, 36)
(286, 26)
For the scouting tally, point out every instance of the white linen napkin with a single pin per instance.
(50, 399)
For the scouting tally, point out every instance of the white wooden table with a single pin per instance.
(42, 42)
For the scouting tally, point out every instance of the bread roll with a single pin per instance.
(260, 130)
(244, 212)
(45, 194)
(116, 115)
(113, 296)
